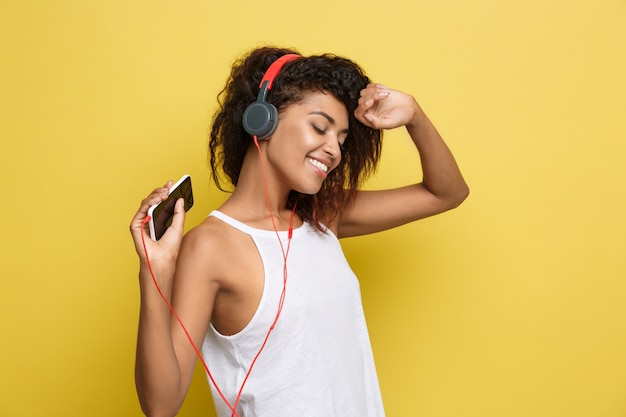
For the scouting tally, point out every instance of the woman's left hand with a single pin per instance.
(383, 108)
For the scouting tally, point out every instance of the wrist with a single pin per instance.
(161, 269)
(417, 118)
(159, 266)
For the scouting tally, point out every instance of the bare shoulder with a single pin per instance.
(208, 250)
(205, 236)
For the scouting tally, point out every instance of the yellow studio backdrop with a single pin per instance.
(512, 305)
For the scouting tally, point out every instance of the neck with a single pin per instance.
(258, 194)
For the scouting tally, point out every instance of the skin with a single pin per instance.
(202, 273)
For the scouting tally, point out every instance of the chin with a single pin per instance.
(311, 190)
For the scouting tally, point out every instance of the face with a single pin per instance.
(306, 145)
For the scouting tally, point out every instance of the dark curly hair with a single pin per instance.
(325, 73)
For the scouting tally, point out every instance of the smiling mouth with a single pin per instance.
(317, 164)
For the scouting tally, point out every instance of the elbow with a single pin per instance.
(152, 408)
(157, 412)
(459, 196)
(157, 400)
(462, 194)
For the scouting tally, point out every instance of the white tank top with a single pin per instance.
(318, 361)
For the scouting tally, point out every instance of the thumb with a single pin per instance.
(178, 221)
(377, 122)
(174, 232)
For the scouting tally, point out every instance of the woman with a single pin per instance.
(262, 284)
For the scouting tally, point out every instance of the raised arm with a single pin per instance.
(442, 186)
(165, 360)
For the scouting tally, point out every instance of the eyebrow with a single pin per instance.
(328, 117)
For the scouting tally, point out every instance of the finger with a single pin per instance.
(370, 106)
(178, 221)
(364, 104)
(370, 98)
(360, 112)
(155, 197)
(174, 233)
(372, 120)
(377, 120)
(374, 89)
(375, 86)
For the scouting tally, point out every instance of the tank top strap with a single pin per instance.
(271, 234)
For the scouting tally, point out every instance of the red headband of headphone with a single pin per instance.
(261, 118)
(275, 68)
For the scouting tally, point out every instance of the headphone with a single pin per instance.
(261, 118)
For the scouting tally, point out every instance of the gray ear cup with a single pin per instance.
(260, 119)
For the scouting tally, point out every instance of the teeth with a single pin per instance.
(318, 164)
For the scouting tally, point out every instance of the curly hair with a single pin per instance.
(325, 73)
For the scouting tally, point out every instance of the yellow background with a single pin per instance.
(512, 305)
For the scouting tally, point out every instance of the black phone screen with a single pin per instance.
(163, 213)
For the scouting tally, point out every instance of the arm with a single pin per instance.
(165, 359)
(442, 186)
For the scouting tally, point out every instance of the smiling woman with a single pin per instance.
(310, 131)
(337, 79)
(512, 306)
(296, 191)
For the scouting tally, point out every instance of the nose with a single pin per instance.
(331, 147)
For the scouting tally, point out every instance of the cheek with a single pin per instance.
(293, 134)
(304, 139)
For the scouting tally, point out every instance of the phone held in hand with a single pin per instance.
(161, 214)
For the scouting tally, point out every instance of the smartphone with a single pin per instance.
(161, 214)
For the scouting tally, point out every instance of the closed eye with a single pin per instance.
(319, 130)
(323, 132)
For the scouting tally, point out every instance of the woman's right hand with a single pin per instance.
(165, 250)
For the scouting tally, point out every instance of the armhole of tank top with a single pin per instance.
(234, 338)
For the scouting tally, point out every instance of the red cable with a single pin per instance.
(285, 254)
(281, 302)
(182, 325)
